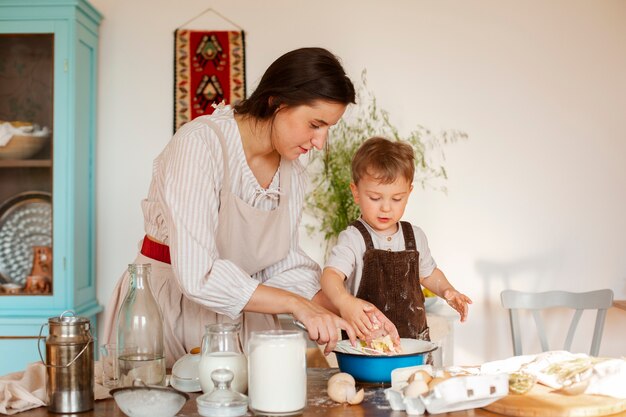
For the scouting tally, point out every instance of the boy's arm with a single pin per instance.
(332, 286)
(359, 313)
(439, 284)
(350, 308)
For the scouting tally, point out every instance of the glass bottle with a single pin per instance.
(140, 332)
(221, 348)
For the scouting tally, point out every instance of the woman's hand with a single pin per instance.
(322, 325)
(457, 301)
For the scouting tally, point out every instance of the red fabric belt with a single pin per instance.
(155, 250)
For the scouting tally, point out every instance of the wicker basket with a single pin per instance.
(23, 146)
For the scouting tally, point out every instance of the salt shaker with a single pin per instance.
(277, 372)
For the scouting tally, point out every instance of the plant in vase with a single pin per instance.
(330, 202)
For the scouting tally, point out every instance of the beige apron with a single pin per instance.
(252, 238)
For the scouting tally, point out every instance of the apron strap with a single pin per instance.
(409, 236)
(213, 126)
(369, 244)
(285, 182)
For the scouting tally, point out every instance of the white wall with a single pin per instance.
(535, 196)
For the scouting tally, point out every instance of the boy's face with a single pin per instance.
(382, 205)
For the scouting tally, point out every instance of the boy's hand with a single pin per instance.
(383, 325)
(457, 301)
(354, 311)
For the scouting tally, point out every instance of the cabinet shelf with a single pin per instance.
(26, 163)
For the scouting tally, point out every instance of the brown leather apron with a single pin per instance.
(390, 281)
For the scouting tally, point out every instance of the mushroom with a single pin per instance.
(341, 389)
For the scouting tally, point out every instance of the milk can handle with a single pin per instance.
(73, 360)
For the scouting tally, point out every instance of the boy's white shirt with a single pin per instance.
(347, 255)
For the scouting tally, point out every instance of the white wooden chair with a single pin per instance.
(514, 301)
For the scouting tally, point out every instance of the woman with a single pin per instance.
(223, 208)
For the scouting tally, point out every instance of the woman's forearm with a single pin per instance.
(321, 323)
(270, 300)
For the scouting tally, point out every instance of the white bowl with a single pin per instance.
(149, 401)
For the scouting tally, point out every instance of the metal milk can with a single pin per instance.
(69, 363)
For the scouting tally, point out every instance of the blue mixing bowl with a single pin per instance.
(377, 369)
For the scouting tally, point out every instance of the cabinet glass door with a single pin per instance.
(26, 147)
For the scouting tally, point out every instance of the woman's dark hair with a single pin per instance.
(298, 78)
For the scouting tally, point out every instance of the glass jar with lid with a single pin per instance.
(222, 401)
(221, 348)
(277, 382)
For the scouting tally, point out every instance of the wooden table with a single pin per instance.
(621, 304)
(319, 405)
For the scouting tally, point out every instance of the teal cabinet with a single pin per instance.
(48, 84)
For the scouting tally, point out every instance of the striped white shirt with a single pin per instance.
(181, 211)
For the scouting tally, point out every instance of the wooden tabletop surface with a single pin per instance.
(319, 405)
(621, 304)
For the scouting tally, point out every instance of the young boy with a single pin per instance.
(380, 260)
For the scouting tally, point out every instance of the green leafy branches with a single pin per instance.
(330, 201)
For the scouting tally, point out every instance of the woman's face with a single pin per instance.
(296, 130)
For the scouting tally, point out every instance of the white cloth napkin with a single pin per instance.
(607, 377)
(21, 391)
(7, 131)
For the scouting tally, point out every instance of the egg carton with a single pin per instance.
(454, 394)
(400, 376)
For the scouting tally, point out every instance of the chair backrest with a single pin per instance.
(514, 301)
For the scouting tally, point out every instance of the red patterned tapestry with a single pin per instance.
(208, 69)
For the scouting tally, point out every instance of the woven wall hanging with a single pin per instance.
(209, 67)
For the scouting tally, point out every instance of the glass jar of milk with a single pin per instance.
(221, 348)
(277, 372)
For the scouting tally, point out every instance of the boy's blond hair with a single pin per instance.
(384, 160)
